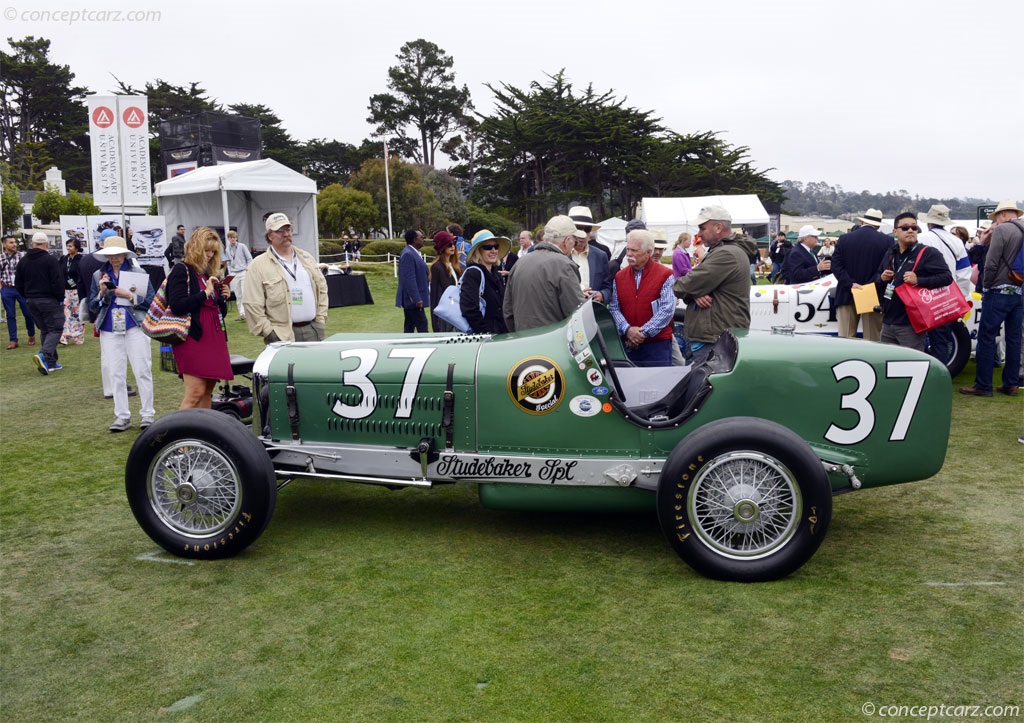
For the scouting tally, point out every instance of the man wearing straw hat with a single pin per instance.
(954, 253)
(1001, 303)
(854, 264)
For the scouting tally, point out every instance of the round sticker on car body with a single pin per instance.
(585, 406)
(536, 385)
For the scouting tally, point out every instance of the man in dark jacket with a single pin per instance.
(413, 288)
(801, 265)
(777, 253)
(907, 263)
(854, 264)
(38, 279)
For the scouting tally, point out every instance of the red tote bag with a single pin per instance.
(931, 308)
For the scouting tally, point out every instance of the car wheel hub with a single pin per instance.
(744, 504)
(194, 488)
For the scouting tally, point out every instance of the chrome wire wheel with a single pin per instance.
(194, 489)
(745, 505)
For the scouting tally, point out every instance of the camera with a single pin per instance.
(110, 285)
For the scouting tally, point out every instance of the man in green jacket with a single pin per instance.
(717, 291)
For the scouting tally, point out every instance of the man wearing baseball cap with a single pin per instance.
(717, 291)
(802, 265)
(38, 279)
(544, 286)
(285, 295)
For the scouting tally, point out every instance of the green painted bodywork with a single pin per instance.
(786, 379)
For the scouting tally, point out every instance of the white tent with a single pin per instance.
(612, 234)
(676, 215)
(238, 194)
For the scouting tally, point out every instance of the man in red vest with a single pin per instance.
(643, 302)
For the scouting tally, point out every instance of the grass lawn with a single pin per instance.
(364, 604)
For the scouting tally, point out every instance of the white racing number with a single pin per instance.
(858, 400)
(360, 379)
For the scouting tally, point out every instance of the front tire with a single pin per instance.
(200, 484)
(744, 500)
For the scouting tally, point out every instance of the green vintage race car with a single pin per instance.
(740, 456)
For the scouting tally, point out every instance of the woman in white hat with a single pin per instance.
(118, 309)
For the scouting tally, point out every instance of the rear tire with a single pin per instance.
(200, 484)
(744, 500)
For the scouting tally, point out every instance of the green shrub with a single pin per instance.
(383, 246)
(330, 248)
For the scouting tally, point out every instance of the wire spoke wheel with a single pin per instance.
(745, 504)
(744, 499)
(200, 484)
(194, 488)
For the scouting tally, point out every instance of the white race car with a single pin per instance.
(810, 308)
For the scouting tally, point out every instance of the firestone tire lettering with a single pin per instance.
(200, 484)
(744, 500)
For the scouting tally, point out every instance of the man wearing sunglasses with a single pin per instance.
(906, 262)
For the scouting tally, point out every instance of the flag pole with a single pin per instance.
(387, 188)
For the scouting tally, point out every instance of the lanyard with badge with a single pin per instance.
(296, 288)
(897, 273)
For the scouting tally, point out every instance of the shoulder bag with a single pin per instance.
(449, 309)
(161, 323)
(931, 308)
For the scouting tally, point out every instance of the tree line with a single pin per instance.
(818, 198)
(543, 148)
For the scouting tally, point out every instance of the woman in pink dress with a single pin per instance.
(193, 288)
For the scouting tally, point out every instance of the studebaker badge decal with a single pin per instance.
(536, 385)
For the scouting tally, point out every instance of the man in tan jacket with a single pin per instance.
(285, 292)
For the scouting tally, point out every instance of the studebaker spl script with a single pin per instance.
(548, 470)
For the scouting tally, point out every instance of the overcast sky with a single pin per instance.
(921, 95)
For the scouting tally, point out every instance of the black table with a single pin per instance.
(347, 290)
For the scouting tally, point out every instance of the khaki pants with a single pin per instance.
(847, 317)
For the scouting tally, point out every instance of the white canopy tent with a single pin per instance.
(612, 234)
(676, 215)
(238, 194)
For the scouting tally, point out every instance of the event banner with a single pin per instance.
(106, 169)
(119, 137)
(133, 117)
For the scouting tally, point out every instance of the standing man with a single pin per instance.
(717, 291)
(801, 265)
(176, 249)
(778, 252)
(907, 263)
(285, 292)
(584, 221)
(413, 290)
(1001, 303)
(595, 281)
(238, 257)
(38, 279)
(9, 259)
(854, 263)
(525, 242)
(642, 303)
(954, 253)
(544, 287)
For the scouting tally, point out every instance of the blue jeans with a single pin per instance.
(1006, 310)
(10, 295)
(940, 341)
(652, 354)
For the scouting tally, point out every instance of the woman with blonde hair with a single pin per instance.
(193, 288)
(681, 263)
